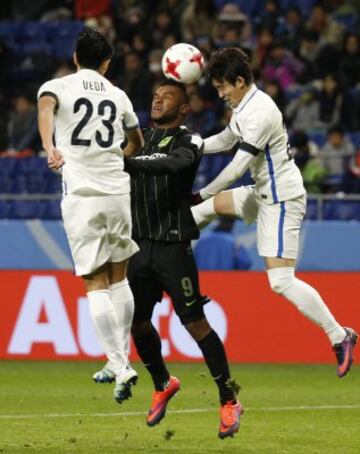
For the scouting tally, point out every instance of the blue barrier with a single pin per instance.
(35, 244)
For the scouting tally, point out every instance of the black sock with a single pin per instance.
(149, 350)
(214, 354)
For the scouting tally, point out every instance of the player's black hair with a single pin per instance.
(228, 64)
(173, 83)
(92, 49)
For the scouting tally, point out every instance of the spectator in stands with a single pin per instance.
(330, 31)
(281, 65)
(155, 58)
(164, 24)
(140, 44)
(305, 153)
(136, 82)
(22, 126)
(302, 113)
(232, 17)
(200, 119)
(355, 172)
(264, 41)
(292, 29)
(335, 156)
(308, 52)
(269, 17)
(24, 10)
(198, 19)
(349, 66)
(320, 58)
(330, 101)
(273, 89)
(95, 8)
(350, 115)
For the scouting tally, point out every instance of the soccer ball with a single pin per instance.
(183, 63)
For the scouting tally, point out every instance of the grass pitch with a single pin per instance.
(50, 407)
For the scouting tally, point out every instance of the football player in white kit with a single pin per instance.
(277, 201)
(91, 119)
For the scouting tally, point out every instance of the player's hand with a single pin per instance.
(55, 158)
(196, 199)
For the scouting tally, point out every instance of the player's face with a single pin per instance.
(167, 104)
(232, 93)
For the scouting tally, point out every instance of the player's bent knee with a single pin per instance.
(198, 328)
(140, 328)
(281, 278)
(224, 203)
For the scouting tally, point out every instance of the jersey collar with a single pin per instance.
(246, 98)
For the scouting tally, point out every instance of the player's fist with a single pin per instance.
(55, 158)
(196, 199)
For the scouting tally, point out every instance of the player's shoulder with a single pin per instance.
(260, 106)
(191, 137)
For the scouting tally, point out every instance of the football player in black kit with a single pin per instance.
(162, 177)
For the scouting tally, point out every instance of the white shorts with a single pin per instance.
(98, 229)
(278, 225)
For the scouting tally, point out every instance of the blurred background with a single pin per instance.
(304, 53)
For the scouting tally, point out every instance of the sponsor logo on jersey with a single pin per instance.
(165, 141)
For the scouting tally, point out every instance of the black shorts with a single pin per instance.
(165, 266)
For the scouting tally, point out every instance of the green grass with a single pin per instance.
(34, 395)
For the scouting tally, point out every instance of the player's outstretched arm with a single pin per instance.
(232, 172)
(135, 142)
(223, 141)
(161, 164)
(46, 109)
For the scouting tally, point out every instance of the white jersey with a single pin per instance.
(257, 125)
(90, 119)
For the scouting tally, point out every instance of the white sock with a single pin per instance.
(307, 300)
(123, 303)
(103, 315)
(204, 212)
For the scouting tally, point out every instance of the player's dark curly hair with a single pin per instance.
(181, 87)
(92, 48)
(228, 64)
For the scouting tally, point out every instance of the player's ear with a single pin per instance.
(104, 66)
(240, 82)
(75, 60)
(184, 109)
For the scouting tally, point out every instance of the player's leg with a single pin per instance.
(179, 275)
(86, 233)
(122, 299)
(278, 243)
(105, 321)
(121, 247)
(239, 202)
(117, 218)
(147, 341)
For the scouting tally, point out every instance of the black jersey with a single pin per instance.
(162, 177)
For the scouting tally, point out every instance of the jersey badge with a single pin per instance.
(165, 141)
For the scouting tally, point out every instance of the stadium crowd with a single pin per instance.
(305, 54)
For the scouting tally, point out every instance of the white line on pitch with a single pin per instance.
(185, 411)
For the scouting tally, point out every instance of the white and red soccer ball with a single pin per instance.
(183, 63)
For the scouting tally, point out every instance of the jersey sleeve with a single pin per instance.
(256, 130)
(130, 119)
(51, 88)
(223, 141)
(187, 150)
(191, 141)
(232, 172)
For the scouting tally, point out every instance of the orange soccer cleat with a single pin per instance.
(160, 400)
(230, 414)
(344, 352)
